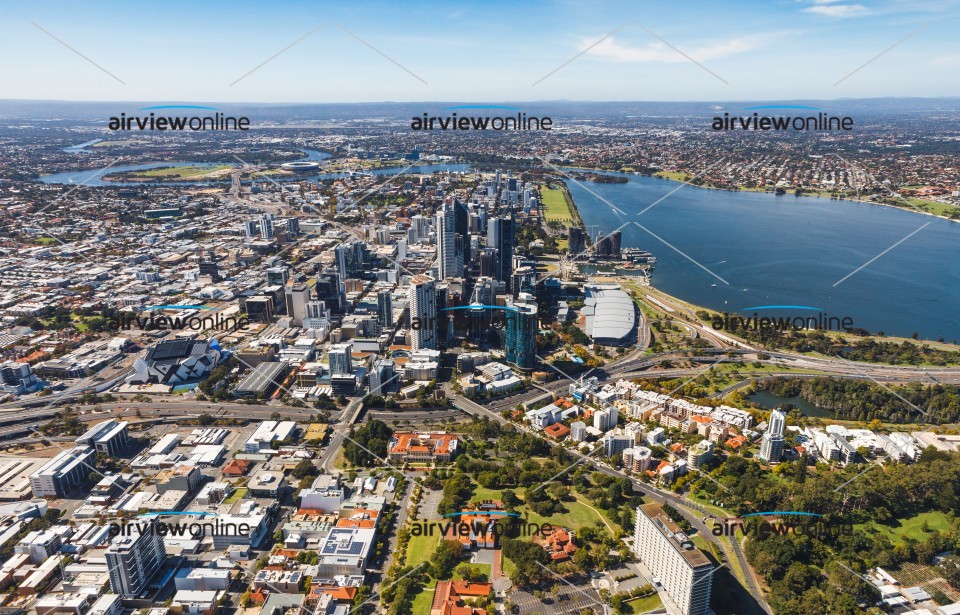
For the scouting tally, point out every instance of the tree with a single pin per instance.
(445, 558)
(304, 469)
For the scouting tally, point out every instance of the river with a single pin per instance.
(756, 249)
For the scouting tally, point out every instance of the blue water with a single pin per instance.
(76, 177)
(787, 250)
(770, 401)
(81, 147)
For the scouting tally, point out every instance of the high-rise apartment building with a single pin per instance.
(422, 297)
(684, 571)
(771, 447)
(133, 560)
(449, 252)
(521, 334)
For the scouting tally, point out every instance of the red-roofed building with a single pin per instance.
(423, 447)
(237, 467)
(558, 544)
(557, 431)
(449, 598)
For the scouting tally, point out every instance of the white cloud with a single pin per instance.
(611, 49)
(948, 60)
(837, 10)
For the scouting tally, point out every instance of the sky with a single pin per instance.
(677, 50)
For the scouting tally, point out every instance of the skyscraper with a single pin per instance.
(684, 571)
(330, 291)
(340, 358)
(266, 227)
(500, 235)
(349, 257)
(521, 334)
(382, 378)
(771, 448)
(575, 243)
(385, 308)
(449, 253)
(297, 296)
(133, 560)
(489, 262)
(422, 297)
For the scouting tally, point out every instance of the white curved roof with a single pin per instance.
(609, 311)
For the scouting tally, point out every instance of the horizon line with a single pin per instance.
(554, 100)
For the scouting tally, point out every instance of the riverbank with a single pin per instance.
(683, 178)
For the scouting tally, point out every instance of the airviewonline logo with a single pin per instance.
(815, 525)
(458, 120)
(819, 122)
(152, 524)
(496, 524)
(822, 321)
(154, 322)
(196, 122)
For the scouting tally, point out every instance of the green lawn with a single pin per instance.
(577, 515)
(184, 172)
(555, 206)
(237, 496)
(508, 567)
(911, 527)
(679, 176)
(420, 548)
(645, 604)
(423, 601)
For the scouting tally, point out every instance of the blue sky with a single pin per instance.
(473, 51)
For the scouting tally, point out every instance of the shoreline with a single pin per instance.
(765, 191)
(819, 196)
(695, 307)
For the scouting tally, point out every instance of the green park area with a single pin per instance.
(555, 208)
(917, 528)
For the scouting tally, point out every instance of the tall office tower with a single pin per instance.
(462, 216)
(421, 226)
(251, 228)
(521, 334)
(385, 308)
(499, 177)
(346, 258)
(422, 297)
(615, 244)
(360, 256)
(297, 296)
(266, 227)
(484, 294)
(450, 257)
(278, 276)
(330, 291)
(382, 377)
(488, 262)
(684, 571)
(340, 357)
(575, 242)
(771, 448)
(133, 560)
(500, 235)
(402, 249)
